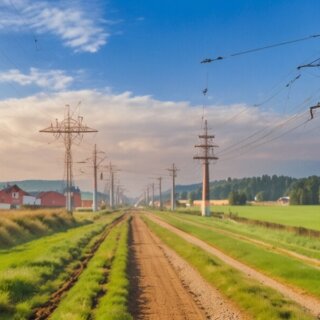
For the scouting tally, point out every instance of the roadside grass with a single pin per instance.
(20, 226)
(283, 268)
(29, 273)
(259, 302)
(298, 216)
(78, 302)
(114, 304)
(304, 245)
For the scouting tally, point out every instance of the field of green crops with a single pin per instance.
(298, 216)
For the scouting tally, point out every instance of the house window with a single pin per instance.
(15, 195)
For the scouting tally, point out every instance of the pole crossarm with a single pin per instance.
(205, 158)
(206, 146)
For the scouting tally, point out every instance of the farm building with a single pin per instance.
(51, 199)
(13, 197)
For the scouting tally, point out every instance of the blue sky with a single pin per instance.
(57, 52)
(154, 47)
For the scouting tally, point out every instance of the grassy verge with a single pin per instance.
(20, 226)
(307, 246)
(283, 268)
(259, 302)
(29, 273)
(79, 301)
(113, 305)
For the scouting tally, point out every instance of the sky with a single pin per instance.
(132, 70)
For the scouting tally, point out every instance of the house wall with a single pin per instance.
(77, 199)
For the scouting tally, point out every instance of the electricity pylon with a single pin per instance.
(70, 130)
(207, 154)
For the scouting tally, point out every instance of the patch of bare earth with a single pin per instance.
(164, 286)
(309, 303)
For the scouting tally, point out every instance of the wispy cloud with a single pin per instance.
(73, 24)
(50, 79)
(143, 136)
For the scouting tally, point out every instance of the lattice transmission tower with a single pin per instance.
(70, 130)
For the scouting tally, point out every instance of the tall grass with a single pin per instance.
(29, 273)
(19, 226)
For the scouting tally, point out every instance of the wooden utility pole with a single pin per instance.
(207, 154)
(148, 196)
(70, 130)
(95, 180)
(173, 173)
(152, 199)
(112, 170)
(160, 193)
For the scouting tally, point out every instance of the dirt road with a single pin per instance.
(157, 292)
(310, 303)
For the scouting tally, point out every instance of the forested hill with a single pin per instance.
(266, 188)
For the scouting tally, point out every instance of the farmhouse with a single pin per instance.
(13, 197)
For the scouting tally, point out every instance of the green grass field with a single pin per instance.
(298, 216)
(274, 264)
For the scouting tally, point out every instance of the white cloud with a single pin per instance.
(143, 136)
(50, 79)
(77, 27)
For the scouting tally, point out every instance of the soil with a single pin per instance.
(164, 286)
(309, 303)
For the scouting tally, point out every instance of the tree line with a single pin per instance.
(264, 188)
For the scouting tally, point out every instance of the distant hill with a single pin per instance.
(37, 185)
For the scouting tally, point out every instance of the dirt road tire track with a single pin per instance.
(156, 291)
(164, 286)
(311, 304)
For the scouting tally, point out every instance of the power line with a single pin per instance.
(209, 60)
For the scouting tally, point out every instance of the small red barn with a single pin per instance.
(52, 199)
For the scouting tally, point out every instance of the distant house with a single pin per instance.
(13, 197)
(284, 200)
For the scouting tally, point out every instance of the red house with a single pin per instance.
(11, 197)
